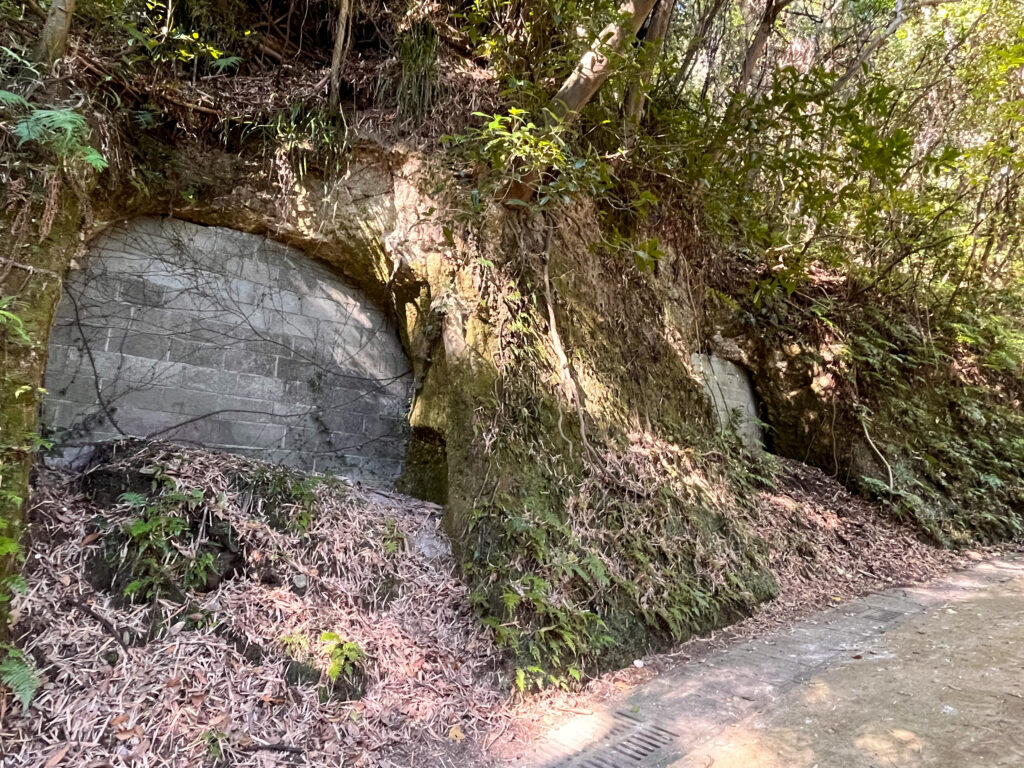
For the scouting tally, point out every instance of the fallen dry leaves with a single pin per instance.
(189, 695)
(432, 696)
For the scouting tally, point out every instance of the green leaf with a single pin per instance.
(15, 583)
(18, 675)
(132, 499)
(9, 99)
(9, 546)
(226, 62)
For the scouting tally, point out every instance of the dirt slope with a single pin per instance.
(236, 670)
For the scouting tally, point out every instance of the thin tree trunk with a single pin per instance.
(695, 43)
(900, 15)
(636, 96)
(594, 68)
(343, 36)
(54, 37)
(764, 31)
(736, 107)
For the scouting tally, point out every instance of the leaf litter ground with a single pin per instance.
(160, 683)
(375, 571)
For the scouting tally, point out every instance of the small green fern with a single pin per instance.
(18, 674)
(9, 99)
(62, 131)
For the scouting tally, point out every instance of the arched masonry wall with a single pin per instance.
(729, 387)
(212, 336)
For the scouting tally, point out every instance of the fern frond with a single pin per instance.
(9, 99)
(63, 131)
(17, 674)
(52, 126)
(13, 584)
(94, 158)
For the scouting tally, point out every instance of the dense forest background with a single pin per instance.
(833, 185)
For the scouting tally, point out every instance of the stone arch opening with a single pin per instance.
(212, 336)
(730, 388)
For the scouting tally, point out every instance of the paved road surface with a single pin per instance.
(921, 677)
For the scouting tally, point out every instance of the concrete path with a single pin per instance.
(920, 677)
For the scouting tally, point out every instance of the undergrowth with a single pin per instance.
(650, 548)
(937, 403)
(588, 544)
(171, 544)
(956, 441)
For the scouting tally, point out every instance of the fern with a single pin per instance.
(9, 99)
(60, 126)
(225, 62)
(133, 500)
(11, 585)
(17, 674)
(18, 59)
(61, 130)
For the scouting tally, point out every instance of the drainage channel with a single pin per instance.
(620, 740)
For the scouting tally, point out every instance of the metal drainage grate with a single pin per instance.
(629, 742)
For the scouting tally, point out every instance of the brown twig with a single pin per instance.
(35, 10)
(274, 748)
(105, 623)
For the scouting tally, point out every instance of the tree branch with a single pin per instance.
(654, 43)
(900, 15)
(595, 66)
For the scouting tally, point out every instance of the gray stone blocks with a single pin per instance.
(226, 339)
(728, 386)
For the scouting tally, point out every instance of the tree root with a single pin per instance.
(566, 373)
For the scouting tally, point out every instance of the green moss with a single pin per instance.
(35, 285)
(582, 558)
(425, 474)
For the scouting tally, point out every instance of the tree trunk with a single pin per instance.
(54, 37)
(759, 43)
(594, 69)
(636, 96)
(703, 29)
(900, 15)
(737, 107)
(343, 36)
(595, 66)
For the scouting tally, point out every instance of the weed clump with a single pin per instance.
(165, 541)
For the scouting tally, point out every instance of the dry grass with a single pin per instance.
(189, 694)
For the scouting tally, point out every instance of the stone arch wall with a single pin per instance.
(207, 335)
(729, 387)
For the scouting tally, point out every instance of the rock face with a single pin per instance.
(230, 340)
